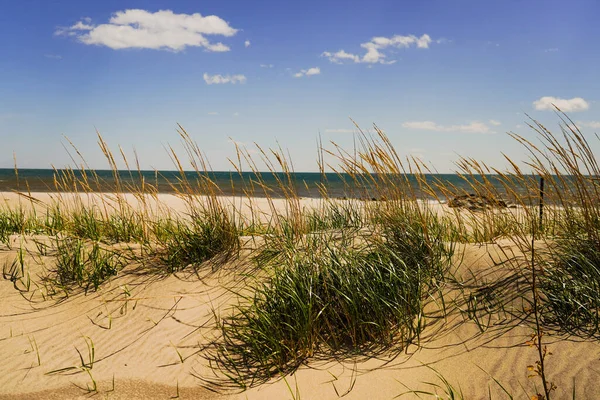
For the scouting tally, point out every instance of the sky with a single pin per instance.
(442, 78)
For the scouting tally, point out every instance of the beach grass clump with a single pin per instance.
(125, 227)
(571, 287)
(285, 234)
(492, 224)
(160, 229)
(209, 232)
(335, 215)
(115, 227)
(83, 264)
(55, 219)
(206, 236)
(10, 222)
(86, 223)
(343, 297)
(17, 221)
(569, 276)
(416, 232)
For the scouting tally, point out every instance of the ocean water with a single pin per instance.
(306, 184)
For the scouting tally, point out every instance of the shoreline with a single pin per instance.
(256, 184)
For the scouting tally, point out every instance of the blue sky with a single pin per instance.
(440, 77)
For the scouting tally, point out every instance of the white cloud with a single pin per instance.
(247, 43)
(340, 56)
(495, 122)
(375, 47)
(308, 72)
(82, 26)
(589, 124)
(213, 113)
(567, 105)
(236, 114)
(425, 125)
(473, 127)
(339, 130)
(266, 65)
(159, 30)
(220, 79)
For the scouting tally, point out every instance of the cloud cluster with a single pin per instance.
(308, 72)
(374, 49)
(161, 30)
(495, 122)
(221, 79)
(473, 127)
(567, 105)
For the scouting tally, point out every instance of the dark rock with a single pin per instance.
(476, 202)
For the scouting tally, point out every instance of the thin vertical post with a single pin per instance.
(541, 202)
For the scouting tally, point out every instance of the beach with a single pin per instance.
(315, 200)
(142, 335)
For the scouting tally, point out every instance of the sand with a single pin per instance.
(143, 325)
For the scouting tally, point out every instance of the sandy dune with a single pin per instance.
(148, 332)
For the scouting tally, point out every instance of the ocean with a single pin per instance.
(306, 184)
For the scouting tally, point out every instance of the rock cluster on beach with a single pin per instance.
(476, 202)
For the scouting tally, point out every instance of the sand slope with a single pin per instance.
(142, 325)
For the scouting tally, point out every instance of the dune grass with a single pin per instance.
(334, 297)
(340, 279)
(204, 237)
(346, 277)
(85, 264)
(570, 285)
